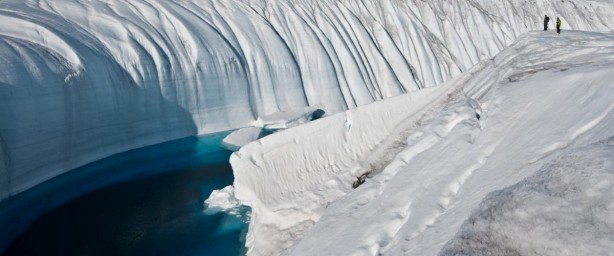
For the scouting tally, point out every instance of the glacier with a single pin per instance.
(82, 80)
(400, 176)
(413, 82)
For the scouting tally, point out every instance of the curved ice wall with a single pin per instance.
(81, 80)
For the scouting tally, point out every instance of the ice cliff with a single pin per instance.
(81, 80)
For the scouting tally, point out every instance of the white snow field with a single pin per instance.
(564, 209)
(400, 176)
(81, 80)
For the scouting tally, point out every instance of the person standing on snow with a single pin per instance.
(546, 20)
(558, 25)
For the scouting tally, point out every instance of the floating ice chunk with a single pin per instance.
(223, 199)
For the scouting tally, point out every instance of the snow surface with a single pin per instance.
(421, 162)
(564, 209)
(81, 80)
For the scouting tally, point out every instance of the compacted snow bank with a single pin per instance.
(81, 80)
(399, 177)
(563, 209)
(288, 178)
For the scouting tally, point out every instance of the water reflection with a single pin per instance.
(139, 214)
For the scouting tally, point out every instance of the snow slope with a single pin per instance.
(425, 160)
(81, 80)
(563, 209)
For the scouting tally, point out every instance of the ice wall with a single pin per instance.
(81, 80)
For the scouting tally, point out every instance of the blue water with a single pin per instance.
(146, 201)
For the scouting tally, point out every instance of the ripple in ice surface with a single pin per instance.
(142, 202)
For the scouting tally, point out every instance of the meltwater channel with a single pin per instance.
(147, 201)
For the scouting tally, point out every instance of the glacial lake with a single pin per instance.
(148, 201)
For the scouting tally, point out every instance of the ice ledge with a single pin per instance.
(288, 186)
(269, 124)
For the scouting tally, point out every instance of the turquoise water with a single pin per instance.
(147, 201)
